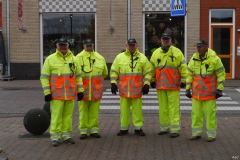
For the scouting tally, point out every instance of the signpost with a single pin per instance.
(178, 8)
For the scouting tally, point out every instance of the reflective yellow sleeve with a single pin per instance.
(45, 77)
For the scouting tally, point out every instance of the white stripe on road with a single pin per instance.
(110, 101)
(156, 107)
(156, 101)
(150, 96)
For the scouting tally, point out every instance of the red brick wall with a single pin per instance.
(205, 5)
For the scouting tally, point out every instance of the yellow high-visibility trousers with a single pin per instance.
(61, 119)
(209, 109)
(88, 116)
(169, 110)
(137, 116)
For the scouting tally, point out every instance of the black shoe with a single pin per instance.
(139, 132)
(195, 137)
(122, 132)
(162, 132)
(69, 141)
(95, 135)
(174, 135)
(83, 136)
(55, 143)
(210, 139)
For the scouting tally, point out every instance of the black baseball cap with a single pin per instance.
(166, 35)
(201, 43)
(62, 41)
(88, 41)
(132, 41)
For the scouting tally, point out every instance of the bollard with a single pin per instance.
(36, 121)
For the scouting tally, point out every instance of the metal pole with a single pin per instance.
(8, 38)
(129, 19)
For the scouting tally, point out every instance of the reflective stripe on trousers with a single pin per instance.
(209, 108)
(137, 116)
(61, 118)
(169, 110)
(89, 116)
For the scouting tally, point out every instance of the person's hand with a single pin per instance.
(79, 96)
(114, 88)
(188, 93)
(182, 85)
(153, 84)
(145, 89)
(48, 98)
(219, 93)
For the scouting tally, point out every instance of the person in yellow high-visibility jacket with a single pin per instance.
(169, 75)
(62, 83)
(132, 70)
(205, 77)
(94, 70)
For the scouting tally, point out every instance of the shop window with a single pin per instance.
(74, 27)
(156, 25)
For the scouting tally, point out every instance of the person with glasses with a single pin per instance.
(205, 77)
(61, 82)
(94, 70)
(132, 70)
(169, 75)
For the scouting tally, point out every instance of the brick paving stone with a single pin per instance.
(110, 146)
(17, 97)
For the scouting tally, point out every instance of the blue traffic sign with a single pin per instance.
(178, 8)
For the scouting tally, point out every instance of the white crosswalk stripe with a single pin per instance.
(150, 101)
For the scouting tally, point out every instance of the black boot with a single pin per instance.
(55, 143)
(122, 132)
(139, 132)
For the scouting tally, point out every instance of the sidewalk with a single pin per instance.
(16, 143)
(17, 96)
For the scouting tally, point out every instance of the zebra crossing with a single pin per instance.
(150, 102)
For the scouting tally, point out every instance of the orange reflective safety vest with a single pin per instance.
(130, 85)
(167, 78)
(204, 87)
(96, 86)
(63, 87)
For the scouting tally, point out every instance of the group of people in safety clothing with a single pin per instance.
(132, 75)
(65, 77)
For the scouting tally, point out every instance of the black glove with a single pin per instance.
(48, 98)
(114, 88)
(218, 93)
(182, 85)
(188, 93)
(145, 89)
(79, 96)
(153, 84)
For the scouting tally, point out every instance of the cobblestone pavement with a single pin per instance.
(17, 97)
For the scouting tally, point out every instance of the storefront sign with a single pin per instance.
(178, 7)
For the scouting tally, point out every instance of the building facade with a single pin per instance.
(35, 25)
(220, 25)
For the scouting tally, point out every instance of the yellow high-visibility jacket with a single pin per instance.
(94, 70)
(61, 76)
(169, 69)
(204, 77)
(131, 71)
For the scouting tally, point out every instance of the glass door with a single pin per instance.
(222, 45)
